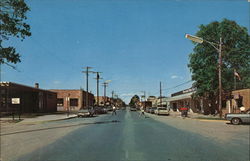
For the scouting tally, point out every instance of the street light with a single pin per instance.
(219, 50)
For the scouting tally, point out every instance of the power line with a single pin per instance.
(178, 85)
(174, 86)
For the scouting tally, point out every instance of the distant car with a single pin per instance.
(161, 111)
(100, 110)
(132, 109)
(238, 118)
(152, 110)
(86, 112)
(109, 108)
(148, 110)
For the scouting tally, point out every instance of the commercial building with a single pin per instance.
(73, 99)
(237, 99)
(103, 100)
(182, 99)
(17, 98)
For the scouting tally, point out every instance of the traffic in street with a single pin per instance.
(126, 136)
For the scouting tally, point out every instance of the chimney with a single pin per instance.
(36, 85)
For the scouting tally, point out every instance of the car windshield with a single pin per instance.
(124, 80)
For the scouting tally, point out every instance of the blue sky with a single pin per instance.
(135, 43)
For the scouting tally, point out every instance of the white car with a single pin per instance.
(85, 113)
(162, 111)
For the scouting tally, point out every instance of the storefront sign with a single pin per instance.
(15, 101)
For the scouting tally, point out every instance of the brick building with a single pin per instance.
(237, 99)
(103, 100)
(19, 98)
(72, 99)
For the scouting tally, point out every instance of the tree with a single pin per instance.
(235, 56)
(12, 17)
(134, 100)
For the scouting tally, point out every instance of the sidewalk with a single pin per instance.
(196, 116)
(43, 118)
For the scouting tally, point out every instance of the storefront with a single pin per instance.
(17, 98)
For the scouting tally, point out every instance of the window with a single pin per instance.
(73, 102)
(60, 102)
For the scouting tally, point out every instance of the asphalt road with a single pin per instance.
(128, 137)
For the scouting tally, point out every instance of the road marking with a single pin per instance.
(126, 154)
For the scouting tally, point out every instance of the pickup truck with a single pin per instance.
(238, 118)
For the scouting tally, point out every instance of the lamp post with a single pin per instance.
(219, 50)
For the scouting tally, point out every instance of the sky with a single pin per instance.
(134, 43)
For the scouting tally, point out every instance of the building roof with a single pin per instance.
(11, 84)
(180, 97)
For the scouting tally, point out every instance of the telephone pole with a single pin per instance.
(97, 86)
(87, 71)
(105, 84)
(113, 97)
(160, 95)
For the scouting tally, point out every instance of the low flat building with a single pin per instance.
(182, 99)
(73, 99)
(17, 98)
(237, 99)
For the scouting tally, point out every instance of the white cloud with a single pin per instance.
(174, 76)
(56, 82)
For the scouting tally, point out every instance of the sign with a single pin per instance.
(15, 100)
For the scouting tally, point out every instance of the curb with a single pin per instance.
(43, 121)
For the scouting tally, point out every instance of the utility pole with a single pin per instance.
(113, 97)
(160, 95)
(220, 86)
(87, 83)
(97, 86)
(105, 84)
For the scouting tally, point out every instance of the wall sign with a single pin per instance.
(15, 101)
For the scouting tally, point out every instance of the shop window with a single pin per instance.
(60, 102)
(73, 102)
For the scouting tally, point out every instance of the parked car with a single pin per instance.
(109, 108)
(238, 118)
(86, 112)
(152, 110)
(148, 110)
(100, 110)
(161, 111)
(132, 109)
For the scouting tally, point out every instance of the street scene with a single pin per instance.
(126, 136)
(141, 80)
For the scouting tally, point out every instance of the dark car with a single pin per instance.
(100, 110)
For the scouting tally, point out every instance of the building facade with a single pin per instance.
(73, 99)
(17, 98)
(103, 100)
(237, 99)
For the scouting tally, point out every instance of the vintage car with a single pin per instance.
(238, 118)
(161, 111)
